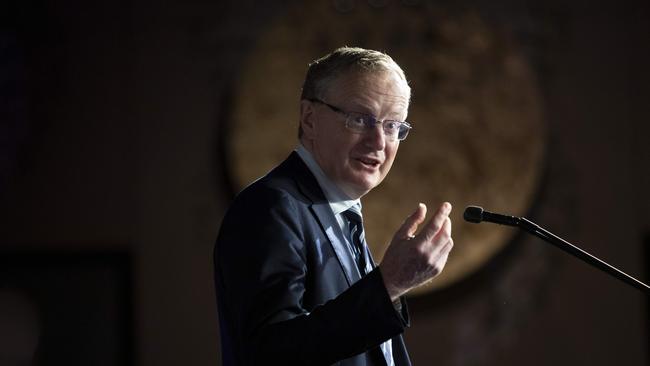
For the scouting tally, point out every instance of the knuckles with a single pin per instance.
(426, 254)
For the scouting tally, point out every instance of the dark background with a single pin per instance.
(112, 185)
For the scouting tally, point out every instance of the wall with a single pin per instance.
(118, 152)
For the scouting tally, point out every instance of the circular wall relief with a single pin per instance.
(478, 135)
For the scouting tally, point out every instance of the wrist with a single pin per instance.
(394, 292)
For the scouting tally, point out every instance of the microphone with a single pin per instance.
(476, 214)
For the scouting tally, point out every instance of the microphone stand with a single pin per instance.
(551, 238)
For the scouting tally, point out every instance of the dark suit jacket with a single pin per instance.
(288, 289)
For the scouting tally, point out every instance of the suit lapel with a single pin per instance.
(322, 211)
(330, 226)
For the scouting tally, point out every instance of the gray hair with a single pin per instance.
(323, 71)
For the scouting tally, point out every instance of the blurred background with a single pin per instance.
(126, 127)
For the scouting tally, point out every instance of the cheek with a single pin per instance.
(338, 153)
(343, 145)
(391, 152)
(388, 163)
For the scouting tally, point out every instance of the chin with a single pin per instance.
(365, 186)
(359, 183)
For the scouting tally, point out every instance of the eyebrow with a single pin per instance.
(362, 108)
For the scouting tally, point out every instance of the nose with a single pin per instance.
(375, 138)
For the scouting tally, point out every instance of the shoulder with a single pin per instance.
(269, 212)
(290, 183)
(270, 191)
(279, 194)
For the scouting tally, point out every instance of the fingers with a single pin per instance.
(439, 263)
(439, 221)
(410, 225)
(410, 263)
(444, 232)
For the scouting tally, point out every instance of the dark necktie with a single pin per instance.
(361, 254)
(357, 238)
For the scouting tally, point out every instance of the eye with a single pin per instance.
(358, 120)
(391, 126)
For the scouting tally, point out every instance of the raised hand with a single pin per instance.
(411, 260)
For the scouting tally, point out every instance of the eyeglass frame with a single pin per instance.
(372, 120)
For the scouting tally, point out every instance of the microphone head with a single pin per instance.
(473, 214)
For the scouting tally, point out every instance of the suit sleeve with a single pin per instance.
(261, 270)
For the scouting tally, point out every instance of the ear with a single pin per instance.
(307, 119)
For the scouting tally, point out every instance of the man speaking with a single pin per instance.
(296, 283)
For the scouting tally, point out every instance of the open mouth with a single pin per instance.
(371, 163)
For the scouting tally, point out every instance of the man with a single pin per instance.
(294, 278)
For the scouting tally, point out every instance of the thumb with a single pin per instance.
(412, 222)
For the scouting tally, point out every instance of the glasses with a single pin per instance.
(361, 123)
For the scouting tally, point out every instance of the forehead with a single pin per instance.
(371, 89)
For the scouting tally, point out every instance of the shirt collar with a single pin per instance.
(338, 201)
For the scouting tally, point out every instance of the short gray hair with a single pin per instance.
(326, 69)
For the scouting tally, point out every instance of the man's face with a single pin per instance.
(356, 162)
